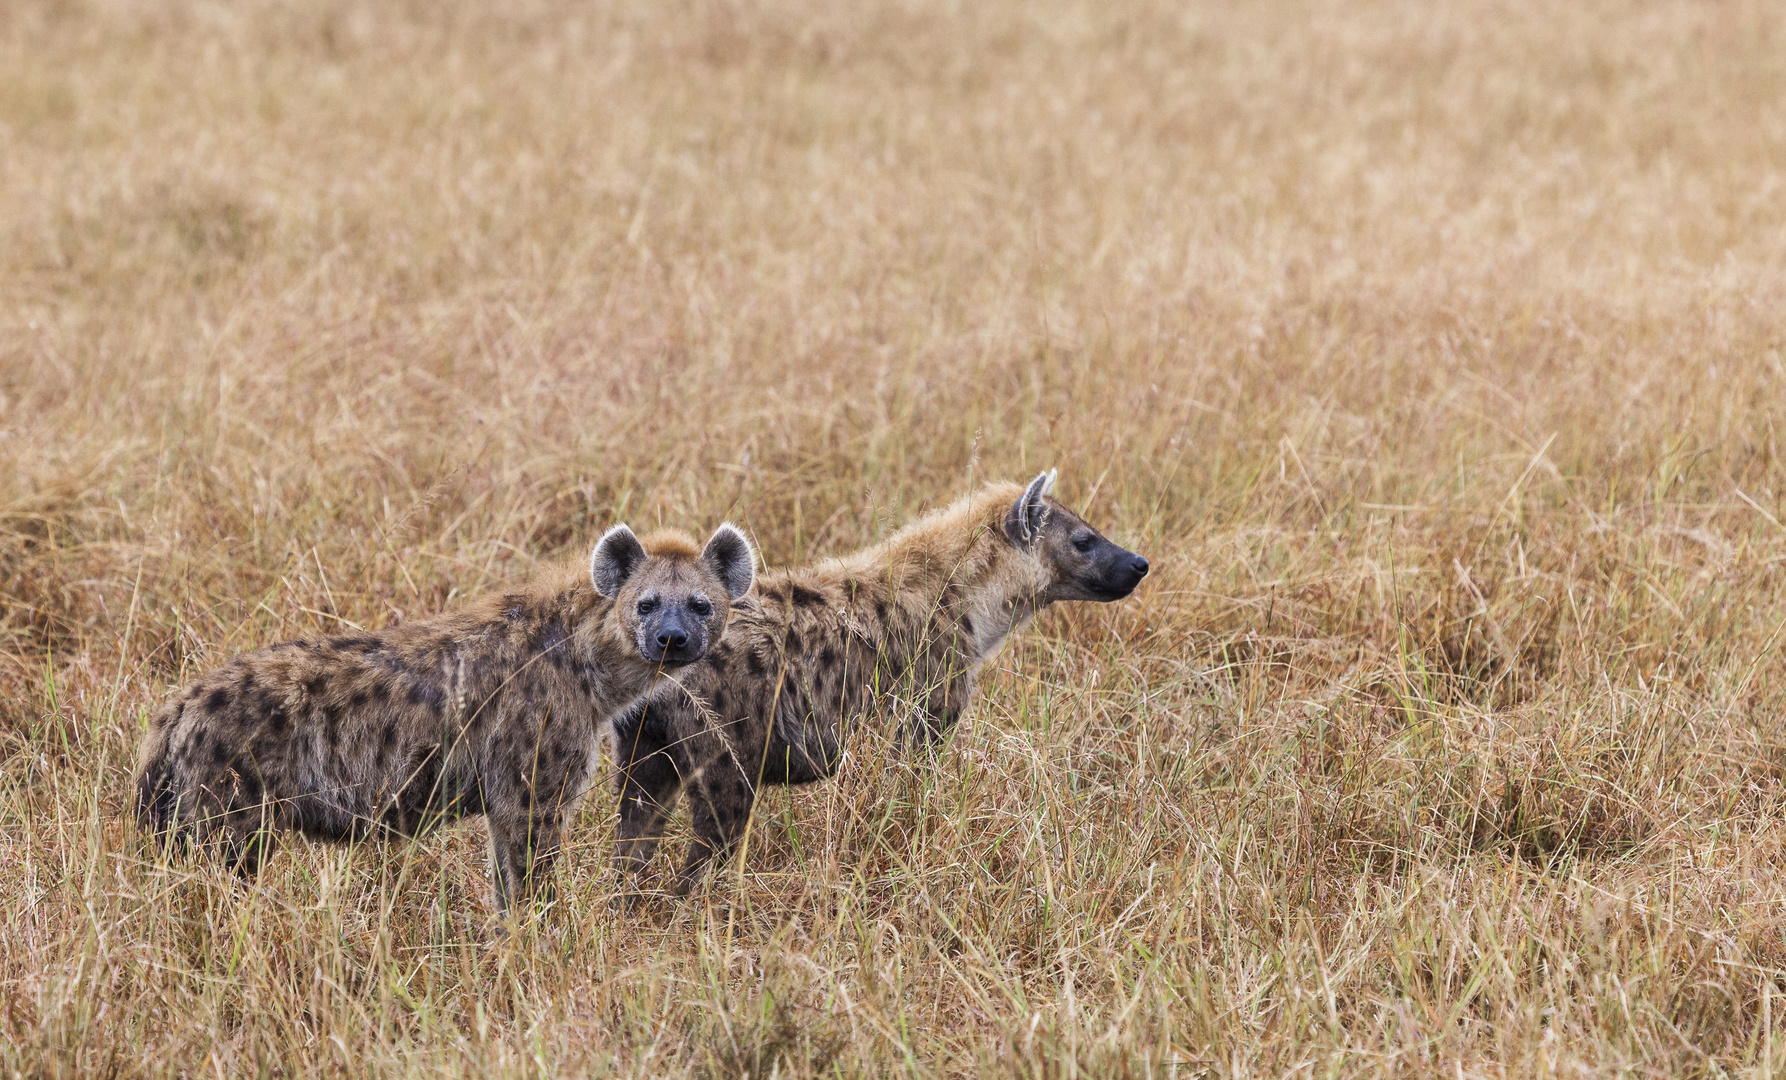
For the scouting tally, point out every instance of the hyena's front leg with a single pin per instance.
(528, 793)
(648, 784)
(720, 801)
(523, 849)
(944, 700)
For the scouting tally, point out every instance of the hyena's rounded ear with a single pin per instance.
(1024, 521)
(728, 554)
(618, 554)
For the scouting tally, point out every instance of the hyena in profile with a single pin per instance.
(497, 710)
(818, 648)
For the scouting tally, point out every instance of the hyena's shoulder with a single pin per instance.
(813, 615)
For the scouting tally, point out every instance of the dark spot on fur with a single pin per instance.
(754, 663)
(880, 610)
(828, 657)
(380, 692)
(806, 597)
(358, 700)
(553, 635)
(316, 684)
(793, 642)
(967, 626)
(426, 695)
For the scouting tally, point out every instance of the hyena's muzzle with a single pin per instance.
(1114, 571)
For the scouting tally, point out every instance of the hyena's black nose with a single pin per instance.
(671, 639)
(1139, 565)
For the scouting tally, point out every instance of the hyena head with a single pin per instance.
(1068, 559)
(671, 598)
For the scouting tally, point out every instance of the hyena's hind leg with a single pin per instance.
(248, 840)
(237, 833)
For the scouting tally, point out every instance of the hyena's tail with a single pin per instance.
(156, 798)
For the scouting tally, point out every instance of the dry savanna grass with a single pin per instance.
(1433, 351)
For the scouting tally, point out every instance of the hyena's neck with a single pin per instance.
(576, 638)
(950, 571)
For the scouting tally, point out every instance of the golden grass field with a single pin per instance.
(1433, 351)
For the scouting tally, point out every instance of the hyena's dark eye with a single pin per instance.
(700, 606)
(1084, 541)
(646, 607)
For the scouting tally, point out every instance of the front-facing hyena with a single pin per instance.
(497, 710)
(902, 626)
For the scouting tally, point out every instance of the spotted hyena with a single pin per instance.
(818, 648)
(496, 710)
